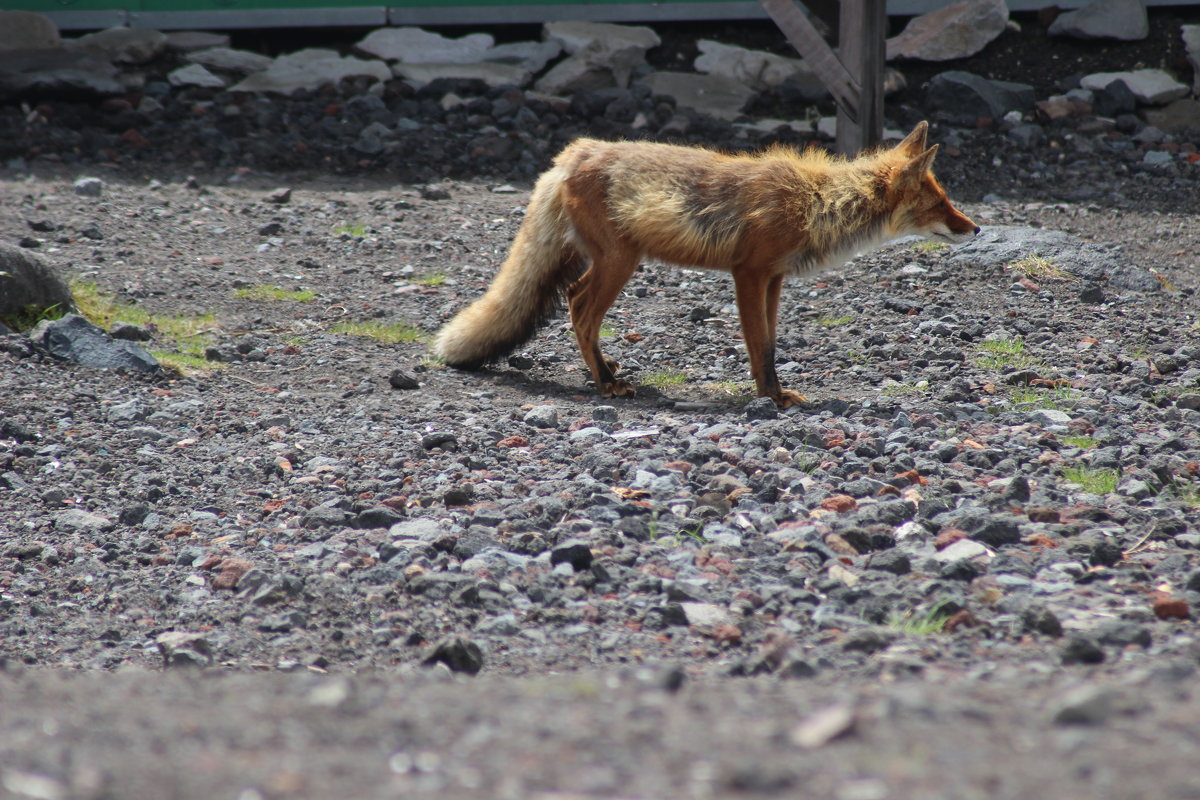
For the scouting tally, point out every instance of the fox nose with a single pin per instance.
(977, 229)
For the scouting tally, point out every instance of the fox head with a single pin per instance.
(919, 203)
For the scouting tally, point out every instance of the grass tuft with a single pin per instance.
(31, 315)
(1093, 480)
(1006, 354)
(273, 294)
(190, 333)
(355, 230)
(1036, 267)
(386, 332)
(925, 624)
(830, 321)
(665, 378)
(930, 247)
(739, 392)
(431, 280)
(1078, 440)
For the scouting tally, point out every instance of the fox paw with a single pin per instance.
(788, 398)
(618, 388)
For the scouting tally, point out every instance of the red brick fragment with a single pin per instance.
(232, 570)
(1171, 608)
(841, 503)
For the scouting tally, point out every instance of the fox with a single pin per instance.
(603, 207)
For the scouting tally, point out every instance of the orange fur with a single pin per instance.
(760, 217)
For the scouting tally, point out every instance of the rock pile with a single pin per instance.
(427, 105)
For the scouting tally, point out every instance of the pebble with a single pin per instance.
(89, 187)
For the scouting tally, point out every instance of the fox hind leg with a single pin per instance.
(588, 299)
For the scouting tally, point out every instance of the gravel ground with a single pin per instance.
(916, 586)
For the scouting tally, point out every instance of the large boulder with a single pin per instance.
(757, 69)
(310, 69)
(957, 31)
(242, 62)
(963, 97)
(54, 73)
(26, 30)
(121, 45)
(73, 338)
(1191, 45)
(999, 245)
(1123, 20)
(601, 55)
(714, 95)
(1150, 86)
(417, 46)
(29, 284)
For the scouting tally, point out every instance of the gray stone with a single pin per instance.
(578, 36)
(44, 72)
(194, 75)
(754, 68)
(89, 187)
(542, 417)
(423, 529)
(869, 640)
(188, 41)
(531, 56)
(574, 552)
(761, 408)
(130, 332)
(589, 434)
(705, 615)
(121, 45)
(1114, 99)
(1028, 136)
(184, 649)
(458, 653)
(1081, 649)
(27, 30)
(1149, 86)
(1096, 705)
(1191, 44)
(1045, 417)
(1104, 19)
(29, 282)
(76, 519)
(599, 65)
(417, 46)
(1000, 245)
(325, 517)
(1158, 158)
(73, 338)
(399, 379)
(310, 69)
(1177, 117)
(707, 94)
(958, 30)
(130, 411)
(492, 74)
(993, 530)
(242, 62)
(963, 97)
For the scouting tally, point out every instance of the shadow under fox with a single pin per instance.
(603, 207)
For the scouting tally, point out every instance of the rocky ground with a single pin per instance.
(967, 568)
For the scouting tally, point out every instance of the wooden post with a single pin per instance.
(854, 76)
(862, 26)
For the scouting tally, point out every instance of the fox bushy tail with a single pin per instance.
(526, 292)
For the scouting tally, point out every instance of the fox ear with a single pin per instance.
(914, 171)
(914, 143)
